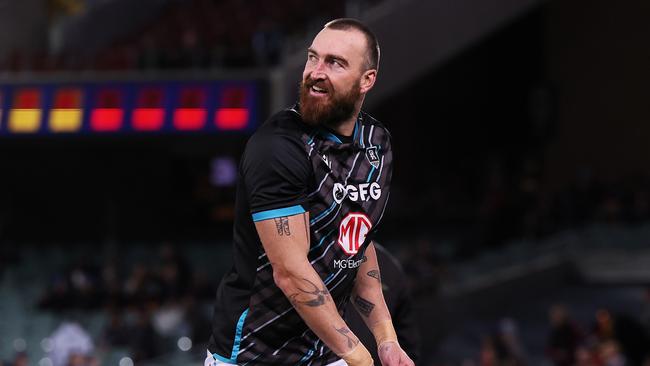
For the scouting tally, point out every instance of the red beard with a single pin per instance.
(331, 110)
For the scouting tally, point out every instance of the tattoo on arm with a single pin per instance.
(314, 297)
(282, 225)
(348, 335)
(364, 306)
(375, 274)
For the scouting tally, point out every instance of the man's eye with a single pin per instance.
(311, 57)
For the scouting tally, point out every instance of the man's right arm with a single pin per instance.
(286, 242)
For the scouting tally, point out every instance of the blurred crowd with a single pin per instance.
(503, 202)
(463, 215)
(148, 305)
(191, 34)
(610, 340)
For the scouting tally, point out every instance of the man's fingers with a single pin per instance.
(405, 360)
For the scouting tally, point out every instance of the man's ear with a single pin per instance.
(368, 80)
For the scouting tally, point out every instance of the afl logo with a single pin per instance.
(352, 232)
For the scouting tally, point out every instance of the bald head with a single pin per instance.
(372, 45)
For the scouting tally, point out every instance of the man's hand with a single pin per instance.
(391, 354)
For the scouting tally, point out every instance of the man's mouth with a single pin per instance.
(315, 90)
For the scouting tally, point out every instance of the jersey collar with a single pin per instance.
(328, 135)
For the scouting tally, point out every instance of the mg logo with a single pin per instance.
(352, 232)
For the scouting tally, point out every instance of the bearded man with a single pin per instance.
(313, 185)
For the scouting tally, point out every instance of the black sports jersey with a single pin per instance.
(289, 168)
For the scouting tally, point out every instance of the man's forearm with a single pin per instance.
(367, 295)
(311, 299)
(368, 299)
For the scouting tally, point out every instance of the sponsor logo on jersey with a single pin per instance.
(348, 263)
(352, 232)
(362, 192)
(373, 156)
(339, 192)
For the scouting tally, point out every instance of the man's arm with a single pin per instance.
(368, 299)
(286, 242)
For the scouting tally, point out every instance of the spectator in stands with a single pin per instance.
(79, 359)
(564, 338)
(20, 359)
(174, 272)
(603, 328)
(77, 286)
(513, 349)
(609, 354)
(629, 336)
(488, 353)
(143, 340)
(116, 333)
(585, 357)
(71, 342)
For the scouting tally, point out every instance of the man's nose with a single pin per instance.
(319, 71)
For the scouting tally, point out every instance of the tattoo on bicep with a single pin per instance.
(352, 342)
(282, 225)
(375, 274)
(364, 306)
(311, 297)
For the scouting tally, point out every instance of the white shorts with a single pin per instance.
(211, 361)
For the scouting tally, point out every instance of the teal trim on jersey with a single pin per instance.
(236, 343)
(315, 219)
(333, 137)
(311, 138)
(278, 212)
(309, 353)
(372, 170)
(240, 328)
(223, 359)
(305, 357)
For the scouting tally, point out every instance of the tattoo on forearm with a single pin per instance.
(375, 274)
(282, 225)
(364, 306)
(311, 297)
(352, 342)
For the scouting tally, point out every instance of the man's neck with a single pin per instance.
(347, 127)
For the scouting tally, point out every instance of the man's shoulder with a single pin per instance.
(286, 123)
(372, 121)
(283, 131)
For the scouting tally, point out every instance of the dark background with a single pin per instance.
(529, 142)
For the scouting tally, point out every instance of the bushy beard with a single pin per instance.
(330, 111)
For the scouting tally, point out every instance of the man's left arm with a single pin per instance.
(368, 300)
